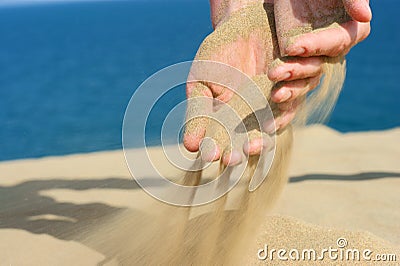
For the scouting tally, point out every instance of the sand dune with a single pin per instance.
(341, 186)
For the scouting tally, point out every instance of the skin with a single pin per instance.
(257, 50)
(300, 72)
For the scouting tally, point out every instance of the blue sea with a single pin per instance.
(68, 70)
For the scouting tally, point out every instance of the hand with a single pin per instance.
(245, 40)
(302, 71)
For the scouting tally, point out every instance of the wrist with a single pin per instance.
(222, 9)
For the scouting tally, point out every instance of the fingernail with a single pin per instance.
(296, 51)
(209, 156)
(286, 75)
(246, 147)
(268, 143)
(269, 126)
(285, 96)
(279, 73)
(233, 158)
(209, 151)
(281, 95)
(236, 158)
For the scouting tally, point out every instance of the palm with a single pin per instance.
(246, 41)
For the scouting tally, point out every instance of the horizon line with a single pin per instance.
(10, 3)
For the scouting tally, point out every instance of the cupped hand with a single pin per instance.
(307, 36)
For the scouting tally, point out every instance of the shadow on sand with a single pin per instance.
(23, 207)
(354, 177)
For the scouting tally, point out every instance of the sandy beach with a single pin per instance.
(341, 186)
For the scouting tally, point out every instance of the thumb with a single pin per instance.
(359, 10)
(199, 105)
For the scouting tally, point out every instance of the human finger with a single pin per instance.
(199, 105)
(329, 42)
(232, 158)
(292, 90)
(257, 145)
(359, 10)
(298, 68)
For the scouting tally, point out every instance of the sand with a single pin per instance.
(341, 185)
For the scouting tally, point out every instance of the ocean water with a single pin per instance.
(67, 71)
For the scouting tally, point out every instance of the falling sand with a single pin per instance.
(226, 230)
